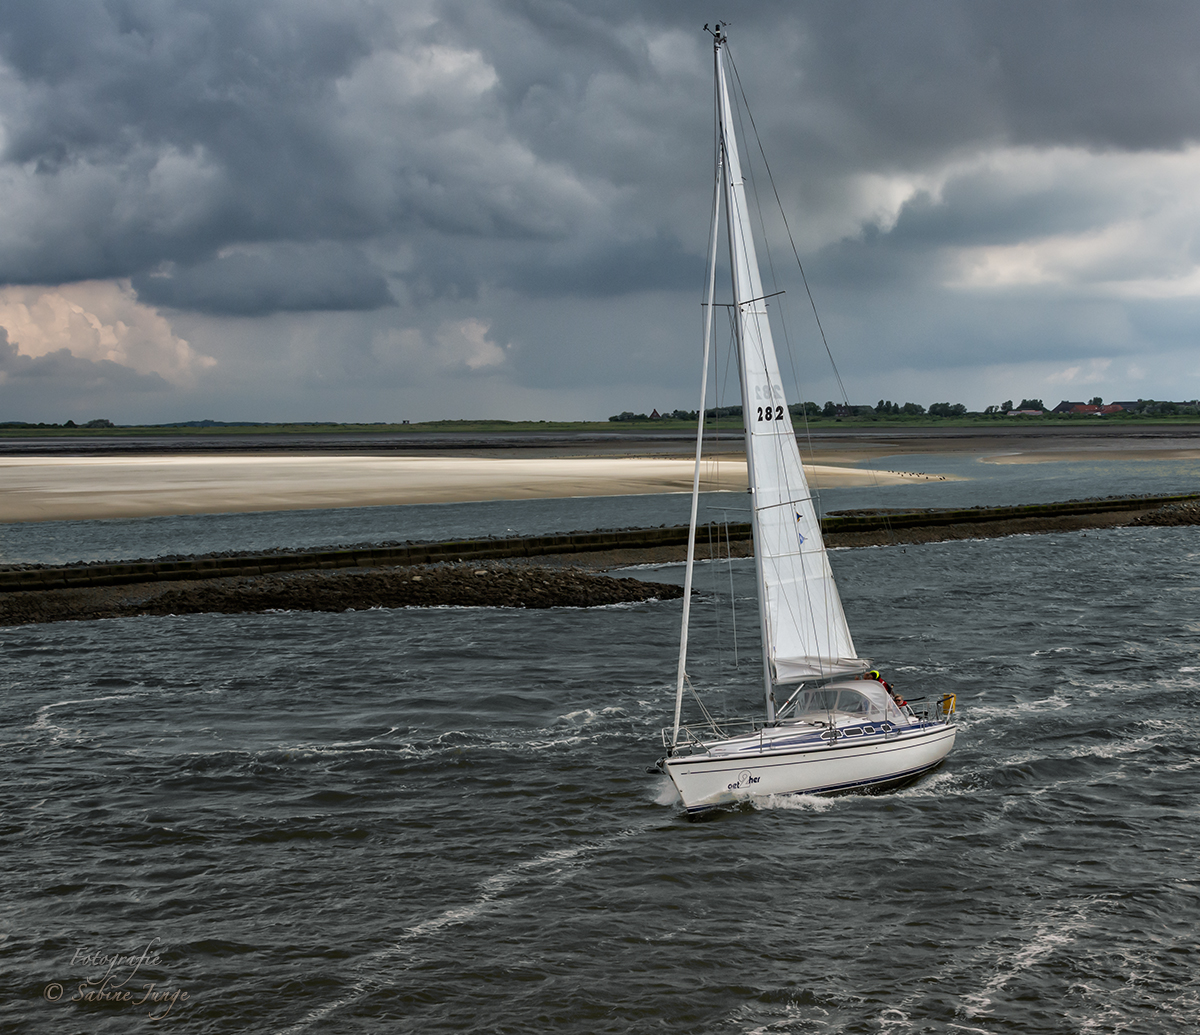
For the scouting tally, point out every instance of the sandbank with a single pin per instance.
(65, 488)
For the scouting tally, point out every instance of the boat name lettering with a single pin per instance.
(745, 779)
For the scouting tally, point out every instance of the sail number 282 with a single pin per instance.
(770, 413)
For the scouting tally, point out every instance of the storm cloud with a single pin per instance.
(503, 203)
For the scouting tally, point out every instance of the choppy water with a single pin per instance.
(440, 820)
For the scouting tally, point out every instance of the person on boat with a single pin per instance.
(874, 674)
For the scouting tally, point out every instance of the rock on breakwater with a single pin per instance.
(1182, 513)
(468, 585)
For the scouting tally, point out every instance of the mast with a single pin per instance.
(747, 291)
(681, 673)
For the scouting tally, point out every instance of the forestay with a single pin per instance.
(804, 627)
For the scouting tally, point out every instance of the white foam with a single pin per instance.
(1047, 704)
(42, 721)
(549, 868)
(665, 793)
(585, 716)
(937, 785)
(1052, 934)
(795, 802)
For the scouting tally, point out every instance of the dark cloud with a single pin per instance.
(899, 81)
(276, 279)
(142, 134)
(60, 371)
(608, 269)
(971, 211)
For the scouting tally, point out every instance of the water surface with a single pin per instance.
(440, 820)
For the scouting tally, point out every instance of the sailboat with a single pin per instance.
(840, 728)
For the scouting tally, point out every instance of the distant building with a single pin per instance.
(1090, 410)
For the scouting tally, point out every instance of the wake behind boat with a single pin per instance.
(841, 728)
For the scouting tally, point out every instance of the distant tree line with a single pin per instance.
(1153, 408)
(887, 408)
(99, 422)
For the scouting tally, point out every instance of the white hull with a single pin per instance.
(774, 763)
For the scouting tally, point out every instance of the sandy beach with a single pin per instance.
(72, 479)
(75, 488)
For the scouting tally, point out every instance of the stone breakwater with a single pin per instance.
(545, 571)
(610, 549)
(463, 585)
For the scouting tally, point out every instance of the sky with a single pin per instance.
(362, 210)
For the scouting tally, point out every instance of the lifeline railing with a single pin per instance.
(942, 708)
(694, 735)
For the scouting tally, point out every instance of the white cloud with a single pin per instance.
(465, 343)
(456, 346)
(1094, 371)
(96, 321)
(449, 153)
(1144, 222)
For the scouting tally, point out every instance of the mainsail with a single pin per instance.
(804, 628)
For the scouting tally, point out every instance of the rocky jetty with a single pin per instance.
(463, 585)
(542, 571)
(1183, 513)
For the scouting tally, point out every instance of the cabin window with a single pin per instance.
(844, 702)
(853, 703)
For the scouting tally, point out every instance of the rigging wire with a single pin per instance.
(732, 596)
